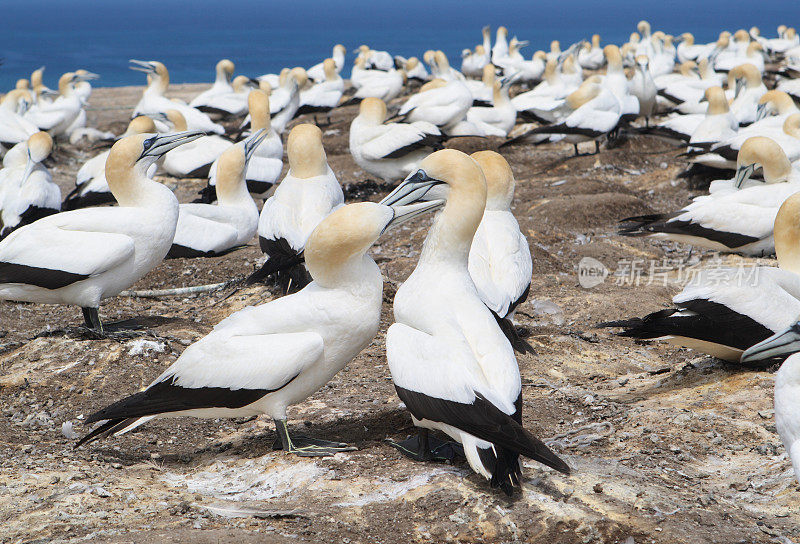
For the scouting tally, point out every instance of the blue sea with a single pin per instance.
(190, 36)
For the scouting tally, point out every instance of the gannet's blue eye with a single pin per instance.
(148, 143)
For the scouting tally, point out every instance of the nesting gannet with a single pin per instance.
(194, 159)
(724, 311)
(473, 62)
(153, 100)
(206, 230)
(308, 194)
(687, 50)
(499, 118)
(500, 262)
(752, 55)
(265, 358)
(317, 72)
(389, 151)
(787, 39)
(266, 162)
(415, 69)
(77, 130)
(482, 90)
(273, 80)
(720, 123)
(732, 218)
(27, 191)
(375, 60)
(591, 54)
(787, 387)
(749, 88)
(91, 187)
(14, 128)
(450, 362)
(59, 115)
(643, 88)
(663, 60)
(386, 85)
(531, 104)
(787, 136)
(325, 95)
(84, 256)
(444, 104)
(207, 100)
(531, 71)
(285, 100)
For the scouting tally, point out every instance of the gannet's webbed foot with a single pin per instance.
(304, 446)
(426, 448)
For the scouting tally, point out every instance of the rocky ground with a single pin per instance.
(666, 445)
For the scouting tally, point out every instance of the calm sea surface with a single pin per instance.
(264, 36)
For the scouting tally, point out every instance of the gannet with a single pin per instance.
(266, 162)
(325, 95)
(787, 387)
(482, 90)
(473, 62)
(84, 256)
(375, 60)
(531, 71)
(194, 159)
(389, 151)
(285, 100)
(499, 118)
(616, 82)
(724, 311)
(265, 358)
(719, 124)
(687, 50)
(386, 85)
(14, 128)
(207, 100)
(500, 48)
(415, 70)
(443, 105)
(27, 191)
(786, 40)
(787, 136)
(746, 80)
(153, 100)
(206, 230)
(531, 104)
(317, 72)
(450, 362)
(663, 60)
(736, 216)
(91, 187)
(643, 88)
(591, 55)
(59, 115)
(308, 194)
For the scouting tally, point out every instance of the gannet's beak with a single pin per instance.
(739, 85)
(411, 190)
(782, 343)
(509, 79)
(743, 173)
(88, 76)
(159, 145)
(761, 112)
(523, 43)
(50, 92)
(29, 166)
(142, 66)
(252, 142)
(408, 212)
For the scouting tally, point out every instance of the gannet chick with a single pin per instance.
(450, 362)
(308, 193)
(787, 387)
(500, 262)
(91, 187)
(27, 191)
(84, 256)
(263, 359)
(205, 230)
(389, 151)
(266, 163)
(193, 160)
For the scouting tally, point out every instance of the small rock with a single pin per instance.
(598, 488)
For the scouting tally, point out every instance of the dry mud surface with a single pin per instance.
(666, 445)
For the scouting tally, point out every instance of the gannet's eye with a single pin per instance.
(148, 143)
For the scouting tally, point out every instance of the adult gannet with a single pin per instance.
(591, 54)
(78, 130)
(27, 191)
(317, 72)
(499, 118)
(444, 105)
(752, 54)
(724, 311)
(193, 160)
(206, 230)
(325, 95)
(531, 71)
(719, 124)
(376, 60)
(787, 39)
(266, 162)
(450, 362)
(84, 256)
(663, 60)
(14, 128)
(91, 187)
(59, 115)
(616, 82)
(285, 100)
(482, 90)
(389, 151)
(265, 358)
(386, 85)
(308, 194)
(645, 46)
(687, 50)
(749, 88)
(732, 218)
(153, 100)
(542, 98)
(787, 387)
(207, 100)
(500, 262)
(473, 62)
(415, 69)
(643, 88)
(500, 47)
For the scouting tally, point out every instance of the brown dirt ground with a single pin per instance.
(667, 445)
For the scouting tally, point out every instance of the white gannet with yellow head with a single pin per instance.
(324, 95)
(451, 364)
(155, 102)
(499, 118)
(285, 100)
(308, 194)
(194, 159)
(58, 116)
(591, 56)
(14, 127)
(748, 87)
(317, 72)
(83, 256)
(27, 191)
(207, 100)
(264, 359)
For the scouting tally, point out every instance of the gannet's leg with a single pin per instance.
(92, 319)
(426, 448)
(307, 447)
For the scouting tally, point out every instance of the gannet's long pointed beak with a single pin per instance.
(158, 145)
(88, 76)
(408, 212)
(252, 142)
(523, 43)
(743, 173)
(29, 166)
(511, 78)
(761, 112)
(782, 343)
(739, 85)
(142, 66)
(411, 190)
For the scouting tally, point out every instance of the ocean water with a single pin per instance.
(190, 36)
